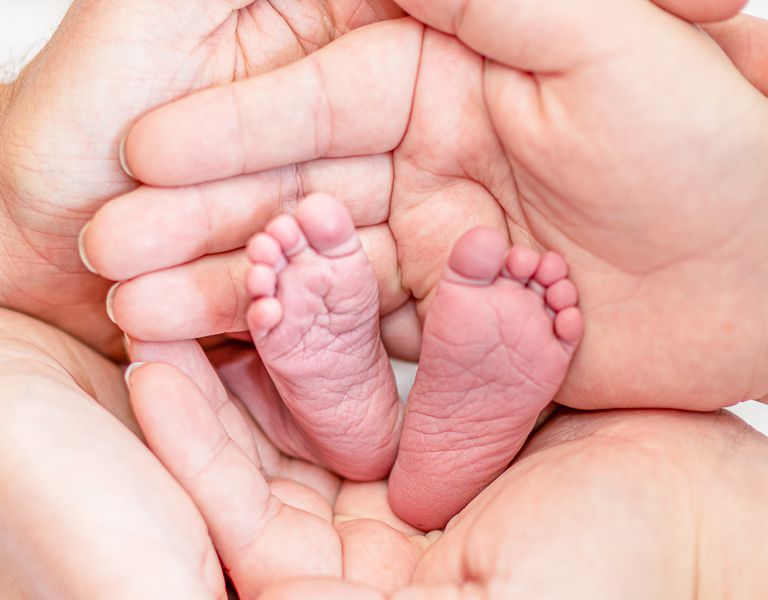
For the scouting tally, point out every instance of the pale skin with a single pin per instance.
(46, 362)
(476, 142)
(634, 497)
(584, 162)
(62, 120)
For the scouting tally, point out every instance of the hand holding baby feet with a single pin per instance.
(315, 322)
(498, 340)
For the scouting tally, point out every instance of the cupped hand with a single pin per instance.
(86, 510)
(62, 121)
(570, 146)
(599, 505)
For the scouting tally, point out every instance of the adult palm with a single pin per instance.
(576, 515)
(561, 146)
(86, 510)
(62, 121)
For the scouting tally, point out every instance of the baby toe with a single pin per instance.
(552, 268)
(266, 250)
(285, 229)
(569, 325)
(264, 315)
(478, 256)
(327, 226)
(261, 280)
(521, 263)
(561, 295)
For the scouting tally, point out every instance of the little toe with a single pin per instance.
(552, 268)
(569, 325)
(266, 250)
(521, 263)
(327, 226)
(562, 295)
(285, 229)
(477, 257)
(263, 316)
(261, 280)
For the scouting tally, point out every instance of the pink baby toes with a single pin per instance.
(314, 319)
(497, 343)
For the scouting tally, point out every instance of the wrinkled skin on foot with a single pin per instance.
(62, 121)
(636, 505)
(314, 319)
(684, 492)
(634, 151)
(497, 343)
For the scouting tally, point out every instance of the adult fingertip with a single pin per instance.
(110, 302)
(124, 159)
(131, 370)
(81, 249)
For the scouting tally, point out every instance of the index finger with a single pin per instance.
(353, 97)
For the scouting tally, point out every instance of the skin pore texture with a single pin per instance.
(108, 63)
(497, 344)
(673, 502)
(650, 196)
(315, 322)
(60, 435)
(676, 497)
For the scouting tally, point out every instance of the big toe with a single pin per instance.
(327, 225)
(477, 256)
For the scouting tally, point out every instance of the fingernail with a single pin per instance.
(110, 302)
(132, 368)
(81, 249)
(124, 160)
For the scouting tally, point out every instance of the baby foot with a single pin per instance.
(315, 322)
(498, 340)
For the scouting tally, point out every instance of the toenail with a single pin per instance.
(129, 372)
(81, 249)
(110, 302)
(124, 161)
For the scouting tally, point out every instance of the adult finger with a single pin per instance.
(745, 40)
(208, 296)
(555, 36)
(260, 539)
(352, 97)
(702, 11)
(154, 228)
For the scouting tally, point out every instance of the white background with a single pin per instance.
(26, 24)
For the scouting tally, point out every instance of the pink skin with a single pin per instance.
(315, 321)
(497, 343)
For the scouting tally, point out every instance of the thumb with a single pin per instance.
(744, 39)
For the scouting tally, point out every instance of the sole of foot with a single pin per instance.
(498, 341)
(314, 319)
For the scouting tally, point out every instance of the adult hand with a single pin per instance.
(86, 510)
(62, 121)
(599, 505)
(545, 158)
